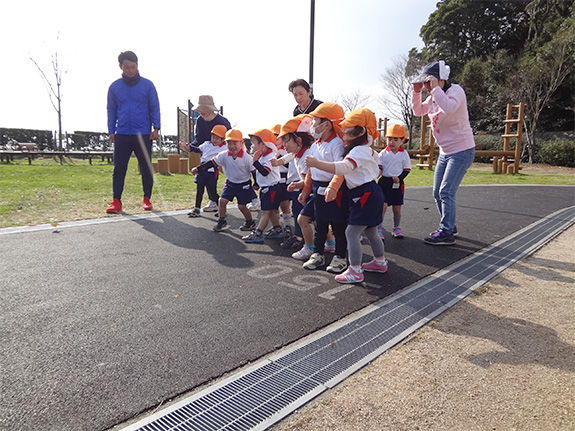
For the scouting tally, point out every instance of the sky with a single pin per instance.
(243, 53)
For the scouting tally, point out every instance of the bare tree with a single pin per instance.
(396, 99)
(541, 75)
(53, 87)
(353, 100)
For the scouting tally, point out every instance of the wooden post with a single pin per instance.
(184, 166)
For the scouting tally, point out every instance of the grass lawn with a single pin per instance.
(47, 191)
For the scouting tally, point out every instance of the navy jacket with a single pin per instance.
(133, 110)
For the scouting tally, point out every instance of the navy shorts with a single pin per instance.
(243, 192)
(308, 208)
(270, 197)
(336, 211)
(282, 190)
(207, 178)
(392, 196)
(366, 205)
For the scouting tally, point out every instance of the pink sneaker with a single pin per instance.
(350, 276)
(328, 248)
(373, 266)
(380, 232)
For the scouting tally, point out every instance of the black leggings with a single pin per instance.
(321, 229)
(212, 193)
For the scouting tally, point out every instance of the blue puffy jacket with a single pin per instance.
(133, 110)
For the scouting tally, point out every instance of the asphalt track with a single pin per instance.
(105, 319)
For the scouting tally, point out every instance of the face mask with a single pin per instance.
(314, 133)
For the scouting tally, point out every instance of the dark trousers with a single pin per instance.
(321, 230)
(212, 193)
(124, 146)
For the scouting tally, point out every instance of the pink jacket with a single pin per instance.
(449, 118)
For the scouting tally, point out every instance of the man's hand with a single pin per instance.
(155, 134)
(112, 138)
(184, 146)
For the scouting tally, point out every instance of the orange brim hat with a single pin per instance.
(363, 118)
(300, 123)
(276, 128)
(395, 131)
(219, 130)
(234, 135)
(268, 138)
(332, 111)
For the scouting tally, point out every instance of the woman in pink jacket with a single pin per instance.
(446, 107)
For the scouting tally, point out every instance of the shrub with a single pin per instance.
(559, 152)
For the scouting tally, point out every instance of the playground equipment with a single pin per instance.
(505, 161)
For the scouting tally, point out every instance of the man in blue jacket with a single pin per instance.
(133, 109)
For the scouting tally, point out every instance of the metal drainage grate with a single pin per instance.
(265, 393)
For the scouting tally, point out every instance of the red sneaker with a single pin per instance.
(115, 207)
(147, 205)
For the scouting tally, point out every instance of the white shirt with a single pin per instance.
(392, 165)
(360, 166)
(236, 170)
(209, 151)
(328, 151)
(274, 171)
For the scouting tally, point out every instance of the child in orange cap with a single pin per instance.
(267, 179)
(330, 193)
(394, 165)
(360, 168)
(237, 166)
(285, 198)
(207, 179)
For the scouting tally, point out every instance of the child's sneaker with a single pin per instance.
(254, 237)
(374, 266)
(380, 232)
(337, 265)
(210, 207)
(288, 232)
(115, 207)
(396, 232)
(254, 205)
(350, 276)
(440, 237)
(222, 224)
(293, 242)
(248, 225)
(303, 254)
(315, 261)
(274, 232)
(194, 213)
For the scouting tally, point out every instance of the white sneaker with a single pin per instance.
(314, 262)
(211, 207)
(337, 265)
(254, 205)
(303, 254)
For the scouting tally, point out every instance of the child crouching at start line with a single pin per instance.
(267, 179)
(237, 166)
(360, 169)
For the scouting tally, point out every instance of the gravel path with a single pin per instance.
(503, 359)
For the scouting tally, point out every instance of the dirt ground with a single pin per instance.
(503, 359)
(527, 168)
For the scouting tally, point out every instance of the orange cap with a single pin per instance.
(234, 135)
(362, 117)
(268, 138)
(276, 129)
(219, 130)
(332, 111)
(300, 123)
(395, 131)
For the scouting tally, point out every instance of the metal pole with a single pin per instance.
(311, 37)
